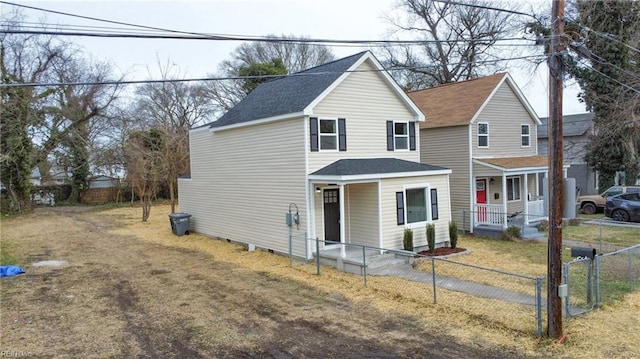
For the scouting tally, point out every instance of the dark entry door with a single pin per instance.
(331, 215)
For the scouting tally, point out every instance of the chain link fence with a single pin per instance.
(616, 273)
(510, 300)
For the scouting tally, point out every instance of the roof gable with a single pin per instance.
(460, 103)
(296, 94)
(572, 125)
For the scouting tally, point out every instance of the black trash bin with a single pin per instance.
(179, 223)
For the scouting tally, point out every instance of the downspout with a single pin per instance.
(472, 184)
(504, 200)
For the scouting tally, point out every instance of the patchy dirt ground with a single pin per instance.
(121, 297)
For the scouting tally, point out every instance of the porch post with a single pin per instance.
(311, 227)
(526, 198)
(343, 252)
(504, 201)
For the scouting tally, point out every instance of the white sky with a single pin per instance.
(329, 19)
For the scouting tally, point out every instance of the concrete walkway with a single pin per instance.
(402, 269)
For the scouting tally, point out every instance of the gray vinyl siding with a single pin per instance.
(392, 232)
(505, 114)
(243, 180)
(366, 101)
(449, 147)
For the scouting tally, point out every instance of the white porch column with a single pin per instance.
(504, 200)
(526, 198)
(311, 222)
(537, 185)
(343, 252)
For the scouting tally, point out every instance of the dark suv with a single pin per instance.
(623, 207)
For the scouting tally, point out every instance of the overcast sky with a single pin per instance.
(327, 19)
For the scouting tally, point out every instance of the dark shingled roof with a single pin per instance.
(366, 166)
(572, 125)
(288, 94)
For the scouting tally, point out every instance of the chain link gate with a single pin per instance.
(578, 276)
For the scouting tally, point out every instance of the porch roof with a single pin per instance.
(512, 164)
(374, 168)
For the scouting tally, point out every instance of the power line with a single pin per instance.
(225, 78)
(483, 7)
(609, 37)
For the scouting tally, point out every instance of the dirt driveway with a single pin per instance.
(122, 297)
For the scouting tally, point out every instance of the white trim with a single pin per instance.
(427, 197)
(310, 193)
(506, 194)
(200, 129)
(478, 134)
(419, 116)
(522, 135)
(407, 136)
(343, 234)
(380, 214)
(286, 116)
(185, 179)
(335, 134)
(514, 170)
(376, 176)
(472, 183)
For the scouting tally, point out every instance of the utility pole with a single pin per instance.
(554, 266)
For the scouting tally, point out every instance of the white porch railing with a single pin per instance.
(492, 214)
(535, 211)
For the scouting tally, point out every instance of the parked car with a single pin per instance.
(623, 207)
(593, 203)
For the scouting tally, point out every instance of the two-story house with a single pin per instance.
(485, 131)
(576, 130)
(336, 145)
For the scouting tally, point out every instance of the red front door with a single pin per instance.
(481, 198)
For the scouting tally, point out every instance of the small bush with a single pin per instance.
(407, 240)
(431, 236)
(574, 222)
(453, 234)
(543, 226)
(511, 233)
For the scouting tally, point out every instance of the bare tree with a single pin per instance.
(143, 158)
(173, 108)
(459, 40)
(296, 56)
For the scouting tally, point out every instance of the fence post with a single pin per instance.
(433, 278)
(567, 307)
(539, 305)
(630, 272)
(598, 281)
(317, 256)
(364, 265)
(290, 248)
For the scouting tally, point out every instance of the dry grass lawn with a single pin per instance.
(126, 279)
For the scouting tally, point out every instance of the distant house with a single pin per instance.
(36, 178)
(485, 131)
(576, 130)
(337, 145)
(102, 181)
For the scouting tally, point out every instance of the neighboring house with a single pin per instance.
(36, 178)
(485, 131)
(102, 181)
(336, 144)
(576, 130)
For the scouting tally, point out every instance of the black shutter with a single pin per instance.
(400, 207)
(434, 204)
(390, 136)
(342, 134)
(313, 132)
(412, 136)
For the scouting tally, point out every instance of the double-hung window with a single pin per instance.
(417, 205)
(513, 188)
(483, 134)
(401, 136)
(525, 135)
(328, 134)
